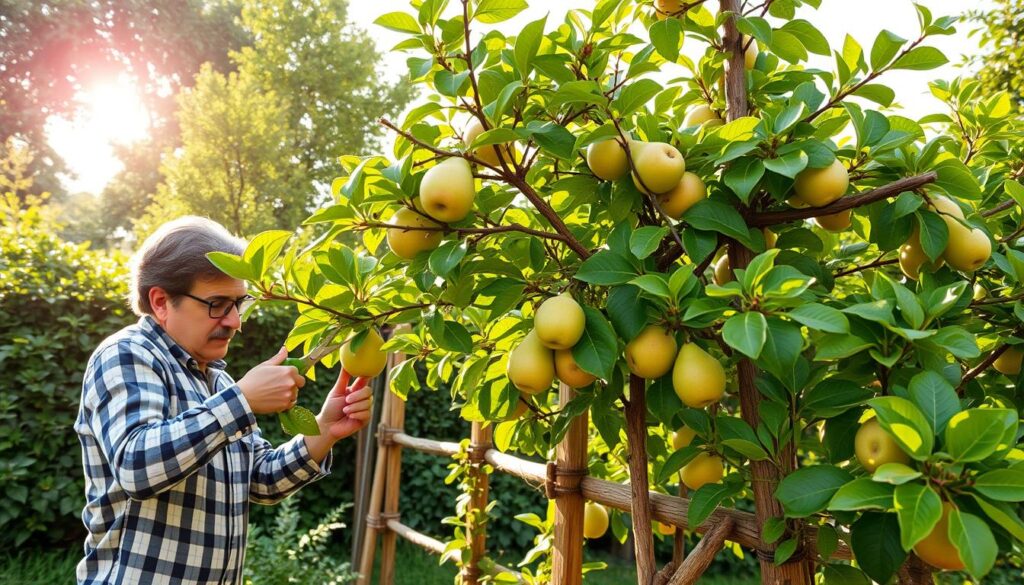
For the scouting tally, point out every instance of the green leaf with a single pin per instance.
(1003, 515)
(935, 397)
(921, 59)
(876, 92)
(808, 490)
(527, 44)
(626, 311)
(887, 44)
(735, 433)
(494, 11)
(787, 46)
(862, 494)
(895, 474)
(832, 397)
(839, 574)
(667, 37)
(809, 35)
(635, 95)
(450, 335)
(875, 540)
(705, 500)
(746, 333)
(743, 176)
(399, 22)
(974, 434)
(877, 311)
(655, 284)
(973, 538)
(785, 550)
(838, 346)
(598, 349)
(606, 267)
(264, 249)
(956, 179)
(933, 233)
(1003, 485)
(715, 216)
(644, 241)
(788, 165)
(299, 421)
(446, 257)
(906, 424)
(919, 509)
(782, 350)
(820, 317)
(232, 265)
(555, 140)
(675, 462)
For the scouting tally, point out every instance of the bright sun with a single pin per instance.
(111, 113)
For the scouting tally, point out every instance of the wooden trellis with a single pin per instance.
(565, 481)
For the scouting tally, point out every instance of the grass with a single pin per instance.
(415, 567)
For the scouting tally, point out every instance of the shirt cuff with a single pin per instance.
(309, 465)
(233, 413)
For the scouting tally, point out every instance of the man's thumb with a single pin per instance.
(279, 357)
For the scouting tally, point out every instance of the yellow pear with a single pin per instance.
(447, 190)
(595, 520)
(698, 378)
(723, 272)
(521, 408)
(819, 187)
(936, 549)
(980, 292)
(769, 238)
(875, 447)
(408, 243)
(569, 372)
(913, 258)
(531, 366)
(683, 196)
(1009, 361)
(703, 469)
(665, 529)
(835, 222)
(682, 437)
(750, 54)
(659, 165)
(701, 114)
(368, 360)
(666, 8)
(488, 154)
(967, 249)
(797, 203)
(945, 206)
(651, 353)
(559, 322)
(607, 159)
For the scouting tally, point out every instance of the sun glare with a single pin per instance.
(110, 113)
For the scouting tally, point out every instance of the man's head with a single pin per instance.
(174, 281)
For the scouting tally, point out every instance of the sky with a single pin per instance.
(111, 112)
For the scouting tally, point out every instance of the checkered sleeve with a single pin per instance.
(127, 407)
(277, 473)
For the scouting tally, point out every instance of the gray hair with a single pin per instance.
(174, 258)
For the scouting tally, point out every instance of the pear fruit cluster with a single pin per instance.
(967, 249)
(874, 447)
(819, 187)
(546, 351)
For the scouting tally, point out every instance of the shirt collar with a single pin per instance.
(149, 325)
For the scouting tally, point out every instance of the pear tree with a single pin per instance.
(761, 277)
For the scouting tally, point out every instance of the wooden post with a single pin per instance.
(700, 559)
(765, 476)
(392, 489)
(636, 433)
(476, 534)
(364, 478)
(679, 538)
(571, 463)
(373, 508)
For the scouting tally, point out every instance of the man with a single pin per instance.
(170, 445)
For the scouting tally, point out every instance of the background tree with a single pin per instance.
(1002, 39)
(327, 72)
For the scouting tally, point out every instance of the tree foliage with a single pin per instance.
(1001, 35)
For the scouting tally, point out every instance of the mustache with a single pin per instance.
(223, 333)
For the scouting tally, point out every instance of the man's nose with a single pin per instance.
(232, 320)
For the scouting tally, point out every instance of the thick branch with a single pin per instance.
(874, 264)
(771, 218)
(978, 369)
(700, 558)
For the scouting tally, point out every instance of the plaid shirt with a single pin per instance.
(172, 459)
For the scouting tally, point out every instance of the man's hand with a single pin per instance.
(271, 387)
(347, 408)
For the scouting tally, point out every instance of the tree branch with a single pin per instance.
(463, 231)
(770, 218)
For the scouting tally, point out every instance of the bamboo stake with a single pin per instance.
(700, 559)
(640, 508)
(765, 475)
(373, 509)
(476, 533)
(571, 459)
(392, 486)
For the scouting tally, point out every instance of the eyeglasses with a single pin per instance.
(221, 306)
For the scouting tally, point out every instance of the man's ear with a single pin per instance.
(160, 301)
